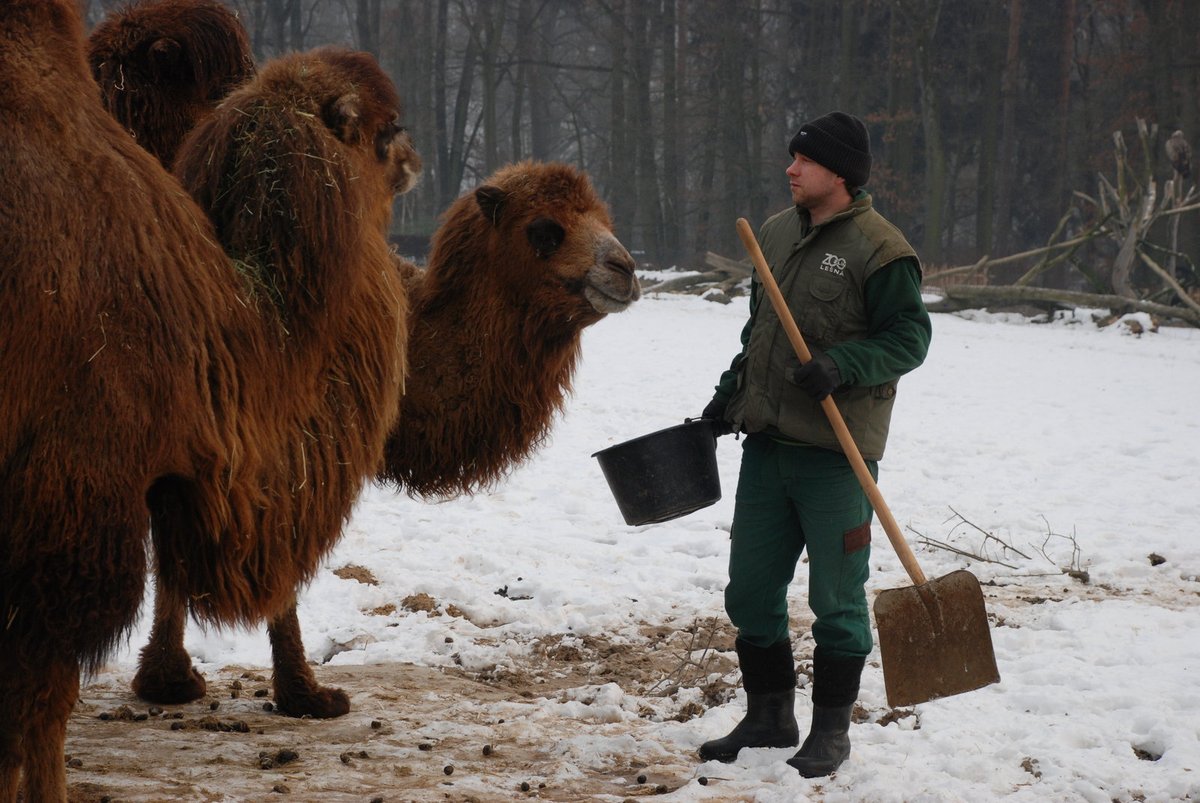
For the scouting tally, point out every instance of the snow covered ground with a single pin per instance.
(1047, 448)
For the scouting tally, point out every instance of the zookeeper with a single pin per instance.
(853, 283)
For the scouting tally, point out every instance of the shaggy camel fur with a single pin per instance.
(518, 269)
(143, 369)
(209, 52)
(284, 215)
(163, 66)
(529, 260)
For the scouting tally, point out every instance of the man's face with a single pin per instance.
(813, 186)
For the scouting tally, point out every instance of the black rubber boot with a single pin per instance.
(835, 688)
(827, 744)
(769, 677)
(770, 721)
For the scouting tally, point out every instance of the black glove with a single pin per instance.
(714, 411)
(818, 377)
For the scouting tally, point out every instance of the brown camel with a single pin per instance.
(163, 66)
(518, 269)
(143, 368)
(281, 214)
(445, 447)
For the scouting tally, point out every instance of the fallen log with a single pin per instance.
(725, 275)
(731, 267)
(966, 296)
(683, 284)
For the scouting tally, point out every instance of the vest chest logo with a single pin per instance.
(834, 264)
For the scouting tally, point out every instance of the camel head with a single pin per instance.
(313, 137)
(163, 66)
(366, 116)
(553, 237)
(327, 118)
(370, 112)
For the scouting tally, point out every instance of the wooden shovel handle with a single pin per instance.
(834, 415)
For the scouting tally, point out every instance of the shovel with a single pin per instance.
(934, 636)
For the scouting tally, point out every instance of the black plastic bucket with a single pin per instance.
(663, 475)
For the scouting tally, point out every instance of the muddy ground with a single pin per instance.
(414, 733)
(425, 734)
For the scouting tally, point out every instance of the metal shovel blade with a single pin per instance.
(934, 639)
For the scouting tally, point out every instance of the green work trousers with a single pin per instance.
(790, 498)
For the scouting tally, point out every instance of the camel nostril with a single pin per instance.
(620, 264)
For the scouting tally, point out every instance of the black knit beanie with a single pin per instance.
(839, 142)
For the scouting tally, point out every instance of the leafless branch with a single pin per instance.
(690, 669)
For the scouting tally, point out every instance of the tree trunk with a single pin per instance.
(621, 173)
(730, 128)
(1064, 176)
(366, 21)
(523, 56)
(899, 137)
(277, 17)
(848, 54)
(543, 127)
(755, 182)
(407, 41)
(644, 136)
(673, 145)
(989, 124)
(1008, 128)
(295, 12)
(487, 34)
(708, 166)
(931, 125)
(452, 144)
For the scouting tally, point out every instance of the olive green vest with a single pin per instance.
(821, 272)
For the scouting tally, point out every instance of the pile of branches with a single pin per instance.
(1122, 214)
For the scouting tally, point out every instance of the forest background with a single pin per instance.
(992, 121)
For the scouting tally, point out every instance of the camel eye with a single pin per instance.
(545, 235)
(386, 136)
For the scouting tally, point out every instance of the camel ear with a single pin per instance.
(166, 56)
(491, 202)
(545, 235)
(342, 117)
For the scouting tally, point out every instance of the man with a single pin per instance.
(853, 283)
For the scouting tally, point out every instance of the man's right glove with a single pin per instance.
(714, 411)
(818, 377)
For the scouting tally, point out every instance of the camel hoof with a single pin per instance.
(167, 688)
(319, 703)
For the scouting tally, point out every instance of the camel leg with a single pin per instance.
(50, 697)
(297, 692)
(165, 673)
(11, 755)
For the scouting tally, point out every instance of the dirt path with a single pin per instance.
(413, 733)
